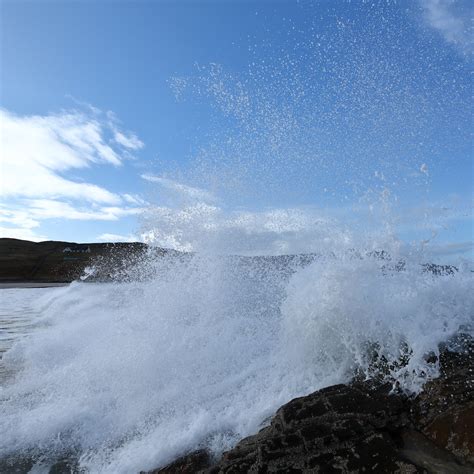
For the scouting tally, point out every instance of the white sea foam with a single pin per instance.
(128, 376)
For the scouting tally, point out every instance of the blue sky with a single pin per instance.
(237, 112)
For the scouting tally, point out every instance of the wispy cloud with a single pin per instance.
(38, 150)
(24, 220)
(127, 140)
(453, 20)
(39, 154)
(21, 233)
(131, 141)
(183, 190)
(50, 209)
(20, 225)
(134, 199)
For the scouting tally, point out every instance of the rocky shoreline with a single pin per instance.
(362, 427)
(359, 427)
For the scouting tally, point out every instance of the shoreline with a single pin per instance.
(32, 284)
(363, 425)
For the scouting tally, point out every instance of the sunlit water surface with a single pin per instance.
(18, 317)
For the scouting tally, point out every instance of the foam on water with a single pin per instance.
(129, 375)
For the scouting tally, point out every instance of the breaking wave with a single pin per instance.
(127, 376)
(199, 349)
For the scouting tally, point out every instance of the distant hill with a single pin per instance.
(22, 261)
(53, 261)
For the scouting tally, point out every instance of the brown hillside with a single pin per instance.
(53, 261)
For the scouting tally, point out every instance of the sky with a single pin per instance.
(132, 120)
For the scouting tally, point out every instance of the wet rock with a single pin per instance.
(16, 465)
(444, 411)
(26, 465)
(362, 427)
(194, 462)
(338, 429)
(425, 454)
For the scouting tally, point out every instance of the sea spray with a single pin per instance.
(338, 311)
(127, 376)
(305, 264)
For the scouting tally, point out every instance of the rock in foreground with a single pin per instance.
(361, 428)
(355, 428)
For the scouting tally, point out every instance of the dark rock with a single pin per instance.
(338, 429)
(25, 465)
(194, 462)
(425, 454)
(360, 427)
(363, 427)
(444, 411)
(65, 466)
(16, 465)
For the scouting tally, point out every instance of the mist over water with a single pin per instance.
(310, 155)
(128, 376)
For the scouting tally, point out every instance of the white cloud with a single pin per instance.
(38, 153)
(21, 233)
(20, 218)
(128, 140)
(438, 215)
(452, 19)
(134, 199)
(200, 226)
(50, 209)
(183, 190)
(22, 221)
(131, 142)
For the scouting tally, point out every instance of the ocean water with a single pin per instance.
(338, 143)
(127, 376)
(18, 317)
